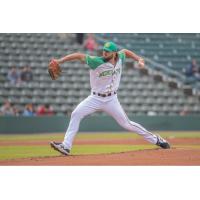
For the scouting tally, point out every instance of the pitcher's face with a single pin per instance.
(108, 55)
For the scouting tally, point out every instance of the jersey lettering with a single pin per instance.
(109, 72)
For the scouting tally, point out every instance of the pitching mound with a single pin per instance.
(144, 157)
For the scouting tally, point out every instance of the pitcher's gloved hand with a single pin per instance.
(54, 69)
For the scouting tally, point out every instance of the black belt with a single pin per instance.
(103, 95)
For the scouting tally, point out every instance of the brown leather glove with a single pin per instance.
(54, 69)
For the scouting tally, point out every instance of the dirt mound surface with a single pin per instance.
(156, 157)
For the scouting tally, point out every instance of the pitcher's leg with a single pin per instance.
(114, 109)
(86, 107)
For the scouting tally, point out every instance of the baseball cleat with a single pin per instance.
(58, 146)
(162, 143)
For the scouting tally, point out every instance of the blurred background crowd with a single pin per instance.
(169, 86)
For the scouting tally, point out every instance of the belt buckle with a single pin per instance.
(103, 95)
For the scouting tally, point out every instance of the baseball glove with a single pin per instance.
(54, 69)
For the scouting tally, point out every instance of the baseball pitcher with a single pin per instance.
(105, 75)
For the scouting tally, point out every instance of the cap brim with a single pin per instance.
(106, 49)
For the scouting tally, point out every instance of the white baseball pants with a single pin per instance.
(112, 107)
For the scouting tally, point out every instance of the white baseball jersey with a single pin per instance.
(104, 76)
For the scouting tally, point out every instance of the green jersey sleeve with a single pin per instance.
(93, 61)
(122, 56)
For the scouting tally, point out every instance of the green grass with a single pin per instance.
(100, 149)
(14, 152)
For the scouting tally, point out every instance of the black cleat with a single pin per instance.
(162, 143)
(60, 147)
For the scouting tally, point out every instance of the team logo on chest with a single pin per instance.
(110, 72)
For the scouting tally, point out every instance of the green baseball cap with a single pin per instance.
(110, 47)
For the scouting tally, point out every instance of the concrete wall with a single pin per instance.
(95, 123)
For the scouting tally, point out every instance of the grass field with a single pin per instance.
(18, 146)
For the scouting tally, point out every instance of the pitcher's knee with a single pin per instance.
(126, 125)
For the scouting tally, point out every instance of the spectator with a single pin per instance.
(45, 110)
(13, 76)
(16, 111)
(7, 109)
(49, 110)
(192, 69)
(26, 74)
(29, 110)
(41, 110)
(90, 44)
